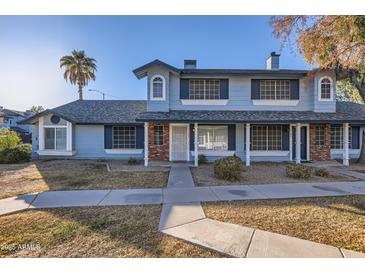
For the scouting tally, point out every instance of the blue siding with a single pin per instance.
(153, 105)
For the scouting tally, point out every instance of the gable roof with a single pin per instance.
(96, 112)
(346, 112)
(142, 71)
(288, 73)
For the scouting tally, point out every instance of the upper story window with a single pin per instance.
(200, 89)
(158, 87)
(124, 137)
(325, 89)
(275, 89)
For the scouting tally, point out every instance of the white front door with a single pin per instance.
(179, 143)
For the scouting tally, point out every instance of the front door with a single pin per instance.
(179, 143)
(303, 146)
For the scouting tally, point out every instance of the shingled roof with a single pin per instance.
(346, 112)
(96, 112)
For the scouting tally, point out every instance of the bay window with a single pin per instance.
(213, 137)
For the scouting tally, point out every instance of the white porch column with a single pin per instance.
(69, 136)
(297, 143)
(196, 156)
(345, 156)
(41, 133)
(248, 142)
(146, 144)
(290, 142)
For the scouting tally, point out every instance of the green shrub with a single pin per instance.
(321, 172)
(9, 139)
(132, 161)
(298, 171)
(229, 168)
(19, 154)
(202, 159)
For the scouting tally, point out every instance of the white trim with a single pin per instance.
(345, 155)
(298, 143)
(68, 136)
(275, 102)
(340, 151)
(290, 143)
(41, 133)
(291, 140)
(56, 126)
(223, 153)
(187, 137)
(270, 152)
(52, 152)
(196, 153)
(163, 88)
(215, 102)
(248, 143)
(146, 144)
(123, 151)
(319, 89)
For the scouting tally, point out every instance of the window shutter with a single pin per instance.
(355, 138)
(294, 89)
(224, 88)
(140, 136)
(108, 137)
(231, 137)
(255, 89)
(184, 88)
(191, 137)
(285, 137)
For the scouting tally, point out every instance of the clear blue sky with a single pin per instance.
(30, 48)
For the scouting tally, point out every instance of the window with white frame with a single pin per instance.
(55, 138)
(157, 88)
(325, 88)
(275, 89)
(266, 138)
(124, 137)
(213, 137)
(337, 137)
(320, 135)
(200, 89)
(158, 135)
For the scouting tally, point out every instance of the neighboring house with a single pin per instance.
(270, 114)
(10, 119)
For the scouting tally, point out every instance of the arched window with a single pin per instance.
(325, 89)
(157, 88)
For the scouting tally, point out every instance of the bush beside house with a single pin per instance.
(12, 150)
(229, 168)
(298, 171)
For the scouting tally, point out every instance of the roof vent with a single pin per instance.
(272, 62)
(189, 64)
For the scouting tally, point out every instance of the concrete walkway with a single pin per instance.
(182, 215)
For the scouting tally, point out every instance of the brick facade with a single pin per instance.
(158, 152)
(320, 152)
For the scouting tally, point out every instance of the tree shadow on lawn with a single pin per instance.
(118, 231)
(72, 175)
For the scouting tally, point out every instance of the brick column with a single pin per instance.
(156, 152)
(320, 152)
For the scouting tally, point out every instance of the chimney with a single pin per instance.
(272, 62)
(189, 64)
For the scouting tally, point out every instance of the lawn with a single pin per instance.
(72, 174)
(128, 231)
(258, 173)
(337, 221)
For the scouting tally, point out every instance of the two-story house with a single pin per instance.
(267, 114)
(9, 119)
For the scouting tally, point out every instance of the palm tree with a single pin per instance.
(80, 69)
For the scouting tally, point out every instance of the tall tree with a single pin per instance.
(330, 42)
(36, 109)
(79, 69)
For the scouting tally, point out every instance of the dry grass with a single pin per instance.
(72, 174)
(258, 173)
(337, 221)
(129, 231)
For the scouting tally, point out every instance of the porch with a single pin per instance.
(299, 142)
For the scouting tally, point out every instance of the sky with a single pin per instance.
(31, 46)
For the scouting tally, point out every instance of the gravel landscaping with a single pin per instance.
(128, 231)
(336, 221)
(72, 174)
(259, 173)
